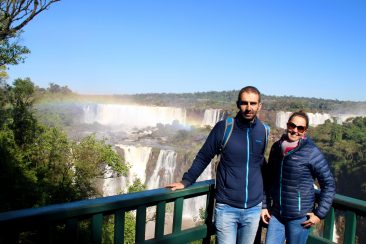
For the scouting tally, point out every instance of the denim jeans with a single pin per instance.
(280, 229)
(236, 225)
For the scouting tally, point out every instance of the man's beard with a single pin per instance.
(248, 116)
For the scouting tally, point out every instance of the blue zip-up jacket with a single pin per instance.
(289, 181)
(239, 174)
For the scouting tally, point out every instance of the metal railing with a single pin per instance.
(352, 208)
(46, 221)
(68, 218)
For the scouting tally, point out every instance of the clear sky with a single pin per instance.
(309, 48)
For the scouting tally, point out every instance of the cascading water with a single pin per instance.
(191, 206)
(154, 173)
(137, 158)
(132, 115)
(211, 117)
(314, 118)
(163, 172)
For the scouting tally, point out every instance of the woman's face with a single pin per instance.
(296, 128)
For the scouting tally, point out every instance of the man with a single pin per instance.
(239, 184)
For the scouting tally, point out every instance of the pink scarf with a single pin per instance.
(288, 146)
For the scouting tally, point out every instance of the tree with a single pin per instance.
(90, 158)
(11, 53)
(24, 123)
(14, 15)
(344, 147)
(55, 88)
(39, 165)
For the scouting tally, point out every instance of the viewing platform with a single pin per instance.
(71, 222)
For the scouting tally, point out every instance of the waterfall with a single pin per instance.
(211, 117)
(163, 172)
(315, 119)
(341, 118)
(137, 158)
(132, 115)
(161, 175)
(111, 185)
(191, 206)
(335, 235)
(282, 118)
(318, 118)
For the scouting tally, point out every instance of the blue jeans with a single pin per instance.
(236, 225)
(280, 229)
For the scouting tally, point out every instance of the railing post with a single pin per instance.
(72, 230)
(97, 223)
(178, 211)
(119, 227)
(210, 205)
(140, 224)
(160, 220)
(350, 228)
(329, 225)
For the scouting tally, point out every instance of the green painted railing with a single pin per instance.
(352, 209)
(70, 216)
(47, 221)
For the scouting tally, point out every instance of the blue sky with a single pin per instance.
(309, 48)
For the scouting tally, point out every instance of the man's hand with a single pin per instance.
(265, 216)
(175, 186)
(312, 220)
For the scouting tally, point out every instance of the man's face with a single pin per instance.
(249, 105)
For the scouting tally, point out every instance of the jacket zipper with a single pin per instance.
(281, 185)
(283, 159)
(247, 171)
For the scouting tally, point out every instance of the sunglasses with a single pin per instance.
(292, 126)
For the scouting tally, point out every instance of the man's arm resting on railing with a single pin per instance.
(176, 186)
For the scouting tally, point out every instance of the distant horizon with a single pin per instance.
(142, 93)
(172, 93)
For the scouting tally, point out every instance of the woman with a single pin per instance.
(294, 162)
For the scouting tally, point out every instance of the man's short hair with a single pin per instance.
(249, 89)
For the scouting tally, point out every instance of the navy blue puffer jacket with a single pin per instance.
(289, 181)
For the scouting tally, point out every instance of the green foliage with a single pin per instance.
(24, 123)
(55, 88)
(3, 74)
(345, 148)
(11, 53)
(136, 186)
(130, 219)
(130, 225)
(39, 164)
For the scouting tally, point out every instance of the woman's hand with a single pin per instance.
(265, 216)
(312, 220)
